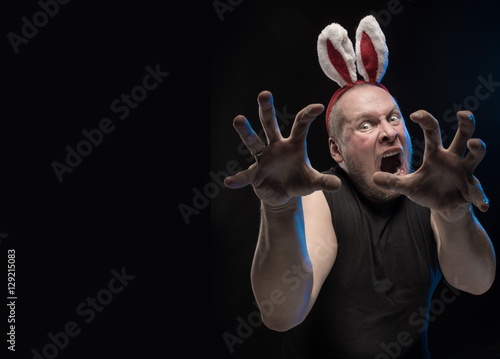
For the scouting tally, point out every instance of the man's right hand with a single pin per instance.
(282, 169)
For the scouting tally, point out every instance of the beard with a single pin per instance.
(364, 183)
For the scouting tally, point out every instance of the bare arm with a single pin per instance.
(294, 254)
(288, 266)
(466, 255)
(445, 183)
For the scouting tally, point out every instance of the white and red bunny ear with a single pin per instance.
(336, 55)
(339, 61)
(372, 55)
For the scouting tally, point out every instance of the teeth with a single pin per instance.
(399, 171)
(388, 154)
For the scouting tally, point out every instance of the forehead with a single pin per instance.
(366, 99)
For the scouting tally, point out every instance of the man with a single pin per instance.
(297, 233)
(350, 257)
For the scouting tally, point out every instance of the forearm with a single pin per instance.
(466, 254)
(281, 273)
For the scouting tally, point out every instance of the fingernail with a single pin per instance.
(471, 117)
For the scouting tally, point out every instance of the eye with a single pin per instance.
(365, 126)
(394, 119)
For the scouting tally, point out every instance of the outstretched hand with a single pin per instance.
(445, 180)
(282, 169)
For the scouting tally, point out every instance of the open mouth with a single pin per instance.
(391, 163)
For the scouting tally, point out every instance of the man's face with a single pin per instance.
(375, 138)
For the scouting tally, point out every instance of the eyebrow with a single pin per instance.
(369, 115)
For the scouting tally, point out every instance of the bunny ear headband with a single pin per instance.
(339, 62)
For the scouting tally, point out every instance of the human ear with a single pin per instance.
(335, 150)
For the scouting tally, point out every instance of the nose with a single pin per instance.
(387, 132)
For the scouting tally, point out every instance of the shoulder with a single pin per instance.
(346, 190)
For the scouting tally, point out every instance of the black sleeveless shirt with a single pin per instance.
(373, 303)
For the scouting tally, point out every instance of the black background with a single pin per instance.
(438, 51)
(117, 210)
